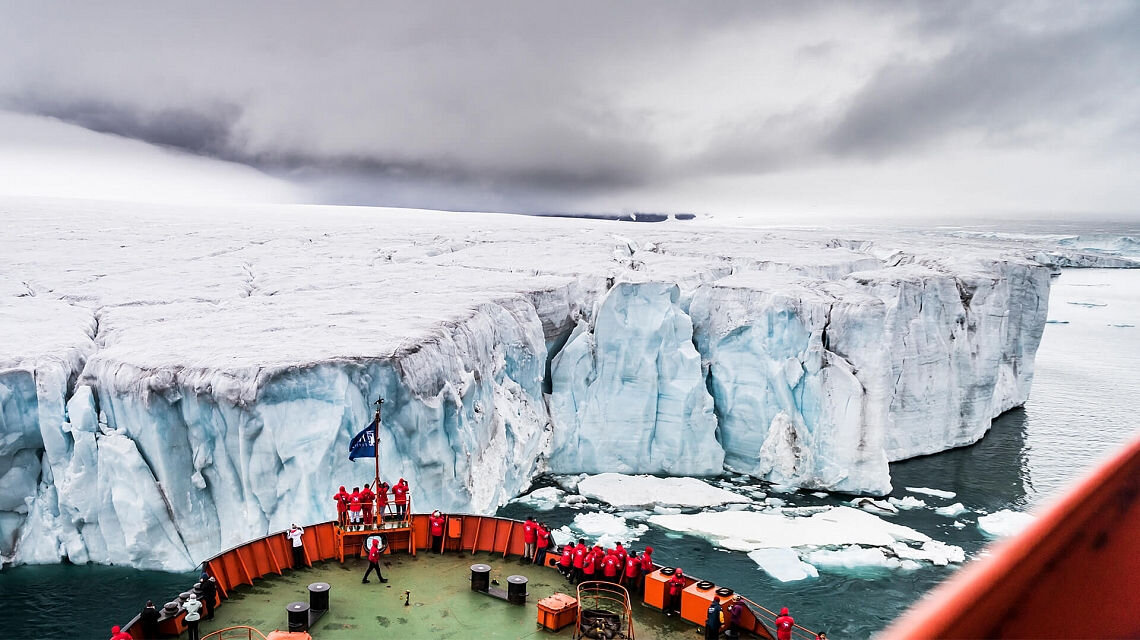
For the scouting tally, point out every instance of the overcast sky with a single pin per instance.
(749, 108)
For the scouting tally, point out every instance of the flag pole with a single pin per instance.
(376, 448)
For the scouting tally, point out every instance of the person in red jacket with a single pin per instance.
(646, 561)
(647, 567)
(374, 562)
(529, 537)
(610, 567)
(366, 504)
(381, 501)
(784, 625)
(400, 495)
(674, 588)
(119, 634)
(580, 554)
(631, 576)
(542, 541)
(566, 560)
(436, 521)
(589, 566)
(622, 554)
(354, 508)
(341, 498)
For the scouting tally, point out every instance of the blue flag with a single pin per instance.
(363, 444)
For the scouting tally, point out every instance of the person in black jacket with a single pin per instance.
(209, 594)
(148, 621)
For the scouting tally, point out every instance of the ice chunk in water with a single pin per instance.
(1004, 523)
(783, 564)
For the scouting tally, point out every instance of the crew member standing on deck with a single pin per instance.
(148, 620)
(529, 537)
(341, 498)
(674, 588)
(713, 620)
(354, 508)
(735, 617)
(381, 501)
(400, 493)
(374, 562)
(209, 594)
(117, 633)
(589, 566)
(295, 534)
(631, 577)
(566, 561)
(784, 625)
(580, 554)
(366, 504)
(610, 567)
(622, 554)
(192, 607)
(542, 541)
(436, 521)
(646, 565)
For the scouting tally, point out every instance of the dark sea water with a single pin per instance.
(1082, 408)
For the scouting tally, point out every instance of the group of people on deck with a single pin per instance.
(355, 509)
(618, 565)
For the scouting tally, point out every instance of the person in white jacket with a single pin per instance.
(296, 534)
(192, 607)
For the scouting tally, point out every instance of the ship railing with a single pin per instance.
(235, 633)
(768, 618)
(596, 595)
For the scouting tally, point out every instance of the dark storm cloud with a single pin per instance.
(514, 105)
(996, 79)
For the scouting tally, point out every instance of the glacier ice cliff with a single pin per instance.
(174, 380)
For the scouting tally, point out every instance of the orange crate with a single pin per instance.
(695, 602)
(557, 611)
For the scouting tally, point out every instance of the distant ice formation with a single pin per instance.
(177, 379)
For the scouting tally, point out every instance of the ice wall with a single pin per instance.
(171, 388)
(961, 336)
(800, 379)
(628, 394)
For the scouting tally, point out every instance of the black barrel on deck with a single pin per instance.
(298, 616)
(516, 589)
(480, 577)
(319, 596)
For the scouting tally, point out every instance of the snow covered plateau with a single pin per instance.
(174, 380)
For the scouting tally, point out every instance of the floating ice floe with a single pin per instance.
(856, 557)
(842, 527)
(952, 511)
(568, 482)
(1003, 523)
(626, 491)
(543, 499)
(958, 524)
(932, 492)
(783, 564)
(604, 528)
(907, 502)
(874, 506)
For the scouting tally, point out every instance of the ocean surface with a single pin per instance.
(1082, 408)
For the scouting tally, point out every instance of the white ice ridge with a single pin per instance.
(628, 492)
(239, 349)
(938, 493)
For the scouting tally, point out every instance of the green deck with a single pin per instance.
(442, 603)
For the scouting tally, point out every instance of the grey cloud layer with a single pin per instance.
(528, 105)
